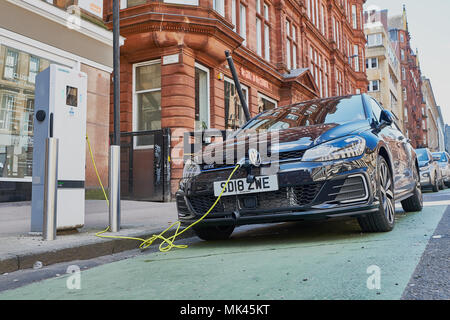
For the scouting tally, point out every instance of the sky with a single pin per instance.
(429, 26)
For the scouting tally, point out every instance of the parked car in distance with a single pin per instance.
(430, 173)
(443, 160)
(339, 156)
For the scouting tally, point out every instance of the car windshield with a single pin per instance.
(439, 157)
(422, 154)
(338, 110)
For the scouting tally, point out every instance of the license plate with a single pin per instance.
(241, 186)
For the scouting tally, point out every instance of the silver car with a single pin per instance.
(430, 173)
(443, 160)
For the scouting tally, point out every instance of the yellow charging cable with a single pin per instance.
(168, 241)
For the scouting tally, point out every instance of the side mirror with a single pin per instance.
(386, 119)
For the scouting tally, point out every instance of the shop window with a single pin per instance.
(147, 100)
(201, 97)
(265, 103)
(234, 112)
(17, 84)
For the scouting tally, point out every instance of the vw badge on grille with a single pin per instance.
(254, 157)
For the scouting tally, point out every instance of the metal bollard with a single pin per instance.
(114, 188)
(50, 189)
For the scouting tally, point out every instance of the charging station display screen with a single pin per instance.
(71, 96)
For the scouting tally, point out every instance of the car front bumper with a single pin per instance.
(307, 190)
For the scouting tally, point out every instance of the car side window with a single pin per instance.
(376, 109)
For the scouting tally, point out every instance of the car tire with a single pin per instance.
(214, 233)
(435, 184)
(384, 219)
(415, 202)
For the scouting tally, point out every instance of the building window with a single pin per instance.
(374, 39)
(291, 45)
(219, 6)
(201, 97)
(233, 14)
(11, 63)
(132, 3)
(325, 80)
(339, 81)
(323, 19)
(265, 103)
(374, 85)
(33, 69)
(262, 30)
(356, 57)
(147, 100)
(243, 23)
(309, 9)
(405, 95)
(402, 37)
(6, 111)
(259, 36)
(372, 63)
(234, 112)
(354, 19)
(319, 71)
(403, 73)
(402, 54)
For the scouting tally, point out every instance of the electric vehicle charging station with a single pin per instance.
(60, 112)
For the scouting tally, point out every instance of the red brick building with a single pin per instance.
(174, 73)
(413, 101)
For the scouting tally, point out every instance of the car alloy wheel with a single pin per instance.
(387, 194)
(383, 219)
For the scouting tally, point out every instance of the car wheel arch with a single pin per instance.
(385, 154)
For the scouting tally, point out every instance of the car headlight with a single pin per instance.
(425, 167)
(347, 147)
(191, 169)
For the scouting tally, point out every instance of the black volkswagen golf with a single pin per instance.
(340, 156)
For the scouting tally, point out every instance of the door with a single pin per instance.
(394, 138)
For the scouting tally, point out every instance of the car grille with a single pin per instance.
(350, 189)
(285, 197)
(282, 156)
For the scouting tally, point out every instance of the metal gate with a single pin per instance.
(145, 166)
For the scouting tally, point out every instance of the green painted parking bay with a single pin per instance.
(304, 260)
